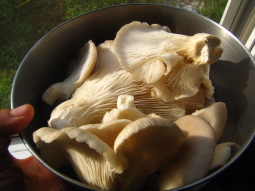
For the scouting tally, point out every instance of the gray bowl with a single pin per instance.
(47, 62)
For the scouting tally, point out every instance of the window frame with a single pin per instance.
(239, 18)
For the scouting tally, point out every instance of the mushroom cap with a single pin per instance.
(84, 65)
(184, 81)
(216, 115)
(195, 157)
(174, 65)
(207, 48)
(107, 131)
(93, 160)
(144, 57)
(147, 144)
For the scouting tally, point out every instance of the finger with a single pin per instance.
(14, 121)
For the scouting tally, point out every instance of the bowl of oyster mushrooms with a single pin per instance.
(137, 97)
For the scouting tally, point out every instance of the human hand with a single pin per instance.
(25, 174)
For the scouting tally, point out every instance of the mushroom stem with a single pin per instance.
(223, 152)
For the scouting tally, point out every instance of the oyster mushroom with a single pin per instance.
(154, 74)
(216, 116)
(86, 107)
(196, 156)
(141, 143)
(116, 154)
(203, 129)
(84, 65)
(93, 160)
(107, 131)
(158, 76)
(223, 152)
(174, 65)
(98, 95)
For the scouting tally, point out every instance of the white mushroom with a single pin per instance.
(223, 152)
(98, 95)
(107, 83)
(158, 70)
(93, 160)
(196, 156)
(157, 78)
(174, 65)
(84, 65)
(90, 102)
(147, 144)
(216, 115)
(115, 155)
(107, 131)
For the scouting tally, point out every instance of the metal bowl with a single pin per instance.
(47, 62)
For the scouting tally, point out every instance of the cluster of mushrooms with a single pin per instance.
(138, 111)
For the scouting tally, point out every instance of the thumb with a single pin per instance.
(14, 121)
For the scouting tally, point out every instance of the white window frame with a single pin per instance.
(239, 18)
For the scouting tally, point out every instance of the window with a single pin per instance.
(239, 18)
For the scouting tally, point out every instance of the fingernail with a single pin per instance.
(19, 111)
